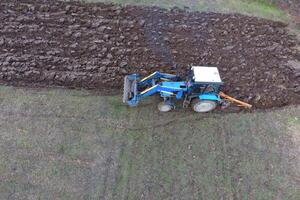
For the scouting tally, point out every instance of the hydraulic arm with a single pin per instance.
(152, 78)
(132, 86)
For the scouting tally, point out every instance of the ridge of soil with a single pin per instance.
(92, 46)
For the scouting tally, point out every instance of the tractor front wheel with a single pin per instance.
(203, 106)
(164, 107)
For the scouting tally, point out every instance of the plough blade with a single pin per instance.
(130, 89)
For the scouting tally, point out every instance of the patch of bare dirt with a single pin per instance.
(92, 46)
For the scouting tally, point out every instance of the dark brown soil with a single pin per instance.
(75, 45)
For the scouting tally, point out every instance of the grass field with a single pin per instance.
(67, 144)
(259, 8)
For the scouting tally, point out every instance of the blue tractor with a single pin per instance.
(200, 89)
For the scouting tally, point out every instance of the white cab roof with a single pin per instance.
(206, 74)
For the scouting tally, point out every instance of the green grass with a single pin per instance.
(68, 144)
(258, 8)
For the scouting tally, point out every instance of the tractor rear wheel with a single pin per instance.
(164, 107)
(203, 106)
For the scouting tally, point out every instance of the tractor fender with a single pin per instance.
(212, 97)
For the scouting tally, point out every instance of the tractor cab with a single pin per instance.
(204, 80)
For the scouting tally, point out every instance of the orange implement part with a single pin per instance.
(229, 98)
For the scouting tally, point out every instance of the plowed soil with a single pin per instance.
(92, 46)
